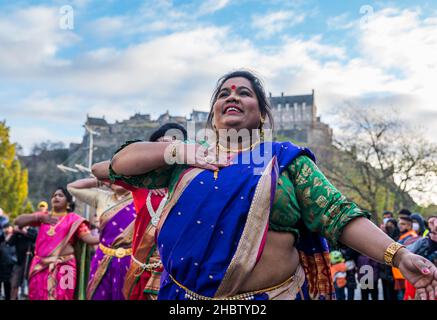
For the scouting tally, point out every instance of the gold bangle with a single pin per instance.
(390, 252)
(170, 153)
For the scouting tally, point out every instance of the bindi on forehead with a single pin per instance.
(233, 87)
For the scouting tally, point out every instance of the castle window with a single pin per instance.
(287, 106)
(279, 107)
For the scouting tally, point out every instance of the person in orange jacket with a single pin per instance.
(338, 271)
(408, 236)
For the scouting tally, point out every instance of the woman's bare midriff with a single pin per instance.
(278, 262)
(67, 250)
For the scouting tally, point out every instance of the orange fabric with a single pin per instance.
(406, 234)
(339, 267)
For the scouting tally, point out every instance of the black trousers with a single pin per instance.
(350, 293)
(365, 293)
(7, 288)
(388, 289)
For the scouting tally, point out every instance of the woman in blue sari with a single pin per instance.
(251, 219)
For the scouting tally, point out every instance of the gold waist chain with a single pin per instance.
(191, 295)
(119, 252)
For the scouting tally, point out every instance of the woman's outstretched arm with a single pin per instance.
(86, 183)
(34, 219)
(90, 239)
(139, 158)
(365, 237)
(101, 170)
(143, 157)
(325, 210)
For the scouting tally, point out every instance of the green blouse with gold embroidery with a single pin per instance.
(303, 193)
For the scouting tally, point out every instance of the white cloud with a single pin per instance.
(30, 135)
(275, 22)
(30, 40)
(151, 17)
(340, 22)
(395, 67)
(211, 6)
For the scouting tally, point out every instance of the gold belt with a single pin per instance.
(119, 252)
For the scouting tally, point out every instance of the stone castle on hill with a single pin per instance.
(295, 119)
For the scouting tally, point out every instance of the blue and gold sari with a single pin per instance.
(212, 232)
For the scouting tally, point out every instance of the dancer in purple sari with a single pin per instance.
(116, 214)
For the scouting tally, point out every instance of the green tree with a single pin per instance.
(13, 179)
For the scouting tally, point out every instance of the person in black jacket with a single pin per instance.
(7, 260)
(23, 239)
(427, 246)
(385, 272)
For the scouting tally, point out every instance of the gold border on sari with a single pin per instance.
(244, 259)
(142, 253)
(98, 275)
(179, 190)
(124, 238)
(110, 213)
(58, 249)
(54, 258)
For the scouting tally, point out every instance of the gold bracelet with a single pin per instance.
(390, 252)
(170, 153)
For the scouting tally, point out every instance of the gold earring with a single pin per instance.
(261, 130)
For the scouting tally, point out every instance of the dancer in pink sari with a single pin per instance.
(52, 274)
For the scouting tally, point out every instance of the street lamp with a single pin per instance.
(65, 168)
(91, 133)
(81, 168)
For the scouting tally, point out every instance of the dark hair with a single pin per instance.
(263, 102)
(162, 130)
(406, 218)
(70, 203)
(393, 233)
(393, 221)
(387, 212)
(405, 212)
(433, 216)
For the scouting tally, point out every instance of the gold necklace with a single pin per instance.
(237, 150)
(227, 150)
(52, 230)
(58, 214)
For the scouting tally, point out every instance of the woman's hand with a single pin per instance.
(159, 192)
(46, 218)
(421, 273)
(200, 156)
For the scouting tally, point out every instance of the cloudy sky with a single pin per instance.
(61, 60)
